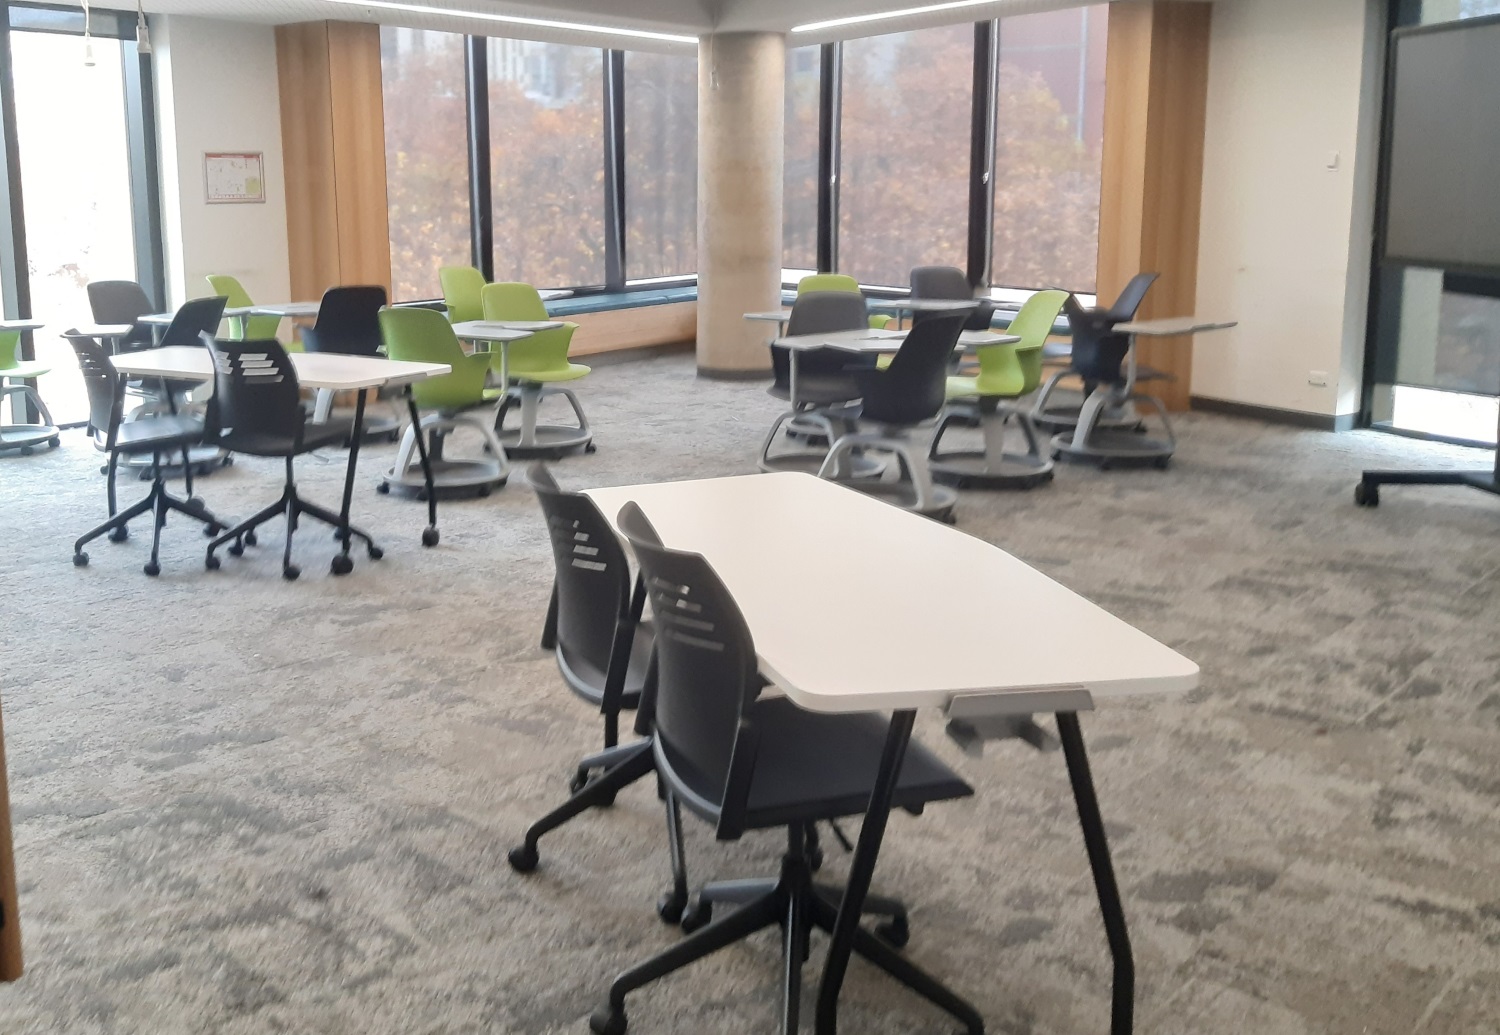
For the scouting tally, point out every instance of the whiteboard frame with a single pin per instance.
(258, 157)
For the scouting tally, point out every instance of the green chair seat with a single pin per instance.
(840, 282)
(11, 363)
(541, 358)
(425, 336)
(253, 328)
(569, 372)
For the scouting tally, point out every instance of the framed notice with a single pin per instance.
(234, 177)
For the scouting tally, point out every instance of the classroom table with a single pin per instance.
(337, 371)
(936, 595)
(902, 306)
(779, 317)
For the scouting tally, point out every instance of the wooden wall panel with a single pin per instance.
(359, 153)
(1154, 116)
(10, 919)
(633, 328)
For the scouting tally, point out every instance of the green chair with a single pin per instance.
(529, 369)
(14, 373)
(1005, 372)
(245, 328)
(462, 286)
(838, 282)
(450, 402)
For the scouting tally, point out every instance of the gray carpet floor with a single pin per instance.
(246, 805)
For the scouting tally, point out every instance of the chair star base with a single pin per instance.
(451, 476)
(158, 502)
(993, 467)
(976, 470)
(533, 441)
(292, 507)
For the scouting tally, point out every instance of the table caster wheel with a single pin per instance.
(119, 535)
(152, 568)
(607, 1021)
(384, 488)
(341, 565)
(894, 932)
(237, 549)
(80, 560)
(697, 915)
(374, 552)
(670, 906)
(250, 539)
(290, 572)
(429, 536)
(522, 858)
(1366, 495)
(212, 563)
(104, 468)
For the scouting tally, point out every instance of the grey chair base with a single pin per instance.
(541, 441)
(912, 488)
(1063, 416)
(26, 437)
(992, 467)
(450, 476)
(375, 427)
(1096, 442)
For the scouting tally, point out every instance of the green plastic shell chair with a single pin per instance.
(14, 373)
(839, 282)
(245, 328)
(529, 369)
(462, 287)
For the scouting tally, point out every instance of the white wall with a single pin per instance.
(217, 91)
(1284, 245)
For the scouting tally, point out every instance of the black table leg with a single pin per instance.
(1122, 1012)
(358, 434)
(430, 533)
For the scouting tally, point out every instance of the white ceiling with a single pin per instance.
(688, 18)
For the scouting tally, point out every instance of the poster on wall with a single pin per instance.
(234, 177)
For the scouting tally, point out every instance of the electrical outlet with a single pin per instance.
(1317, 378)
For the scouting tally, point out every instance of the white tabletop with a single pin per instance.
(925, 305)
(293, 309)
(314, 369)
(856, 605)
(877, 340)
(771, 316)
(105, 330)
(158, 319)
(553, 294)
(9, 326)
(497, 330)
(1172, 326)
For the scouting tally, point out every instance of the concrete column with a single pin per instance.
(741, 98)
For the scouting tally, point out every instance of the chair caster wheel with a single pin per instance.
(104, 468)
(384, 488)
(26, 450)
(228, 462)
(1105, 465)
(484, 490)
(54, 442)
(429, 536)
(80, 560)
(591, 448)
(1366, 495)
(670, 906)
(196, 503)
(212, 563)
(119, 535)
(1163, 462)
(374, 552)
(815, 859)
(341, 565)
(607, 1021)
(290, 572)
(697, 915)
(237, 549)
(894, 932)
(153, 569)
(422, 495)
(579, 781)
(522, 858)
(250, 539)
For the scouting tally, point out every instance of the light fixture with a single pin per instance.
(508, 19)
(142, 34)
(88, 39)
(856, 19)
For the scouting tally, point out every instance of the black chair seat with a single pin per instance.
(819, 389)
(587, 681)
(314, 436)
(812, 766)
(152, 434)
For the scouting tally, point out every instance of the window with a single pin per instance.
(799, 205)
(546, 108)
(904, 202)
(661, 165)
(426, 156)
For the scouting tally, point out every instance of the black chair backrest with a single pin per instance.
(706, 678)
(101, 382)
(593, 576)
(121, 301)
(913, 388)
(817, 312)
(193, 319)
(1130, 299)
(348, 322)
(949, 282)
(255, 392)
(1098, 353)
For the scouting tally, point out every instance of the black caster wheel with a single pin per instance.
(80, 560)
(1163, 462)
(429, 537)
(290, 572)
(26, 450)
(894, 932)
(341, 565)
(196, 503)
(237, 549)
(119, 535)
(384, 488)
(1105, 465)
(591, 448)
(422, 495)
(250, 539)
(670, 906)
(522, 858)
(212, 563)
(697, 915)
(1366, 495)
(579, 781)
(374, 552)
(104, 468)
(54, 442)
(153, 569)
(484, 490)
(212, 530)
(607, 1021)
(815, 859)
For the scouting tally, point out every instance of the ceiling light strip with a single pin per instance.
(858, 19)
(507, 19)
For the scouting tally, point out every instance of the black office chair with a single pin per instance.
(906, 395)
(154, 437)
(349, 323)
(120, 302)
(823, 381)
(603, 650)
(742, 762)
(1096, 355)
(257, 409)
(949, 282)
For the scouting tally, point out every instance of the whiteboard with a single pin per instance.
(234, 177)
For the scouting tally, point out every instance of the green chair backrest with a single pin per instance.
(462, 286)
(838, 282)
(1015, 370)
(10, 343)
(256, 328)
(425, 336)
(544, 351)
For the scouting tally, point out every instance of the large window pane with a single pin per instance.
(77, 208)
(426, 156)
(547, 162)
(661, 165)
(908, 98)
(799, 206)
(1048, 139)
